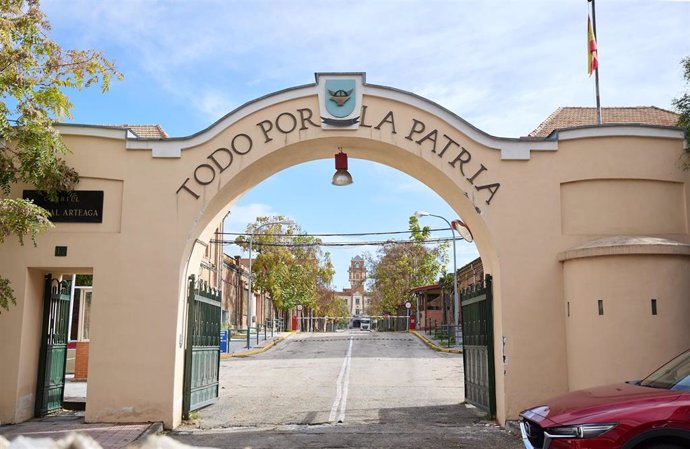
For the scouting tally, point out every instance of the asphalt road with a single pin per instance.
(345, 389)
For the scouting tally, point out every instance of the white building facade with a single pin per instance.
(356, 297)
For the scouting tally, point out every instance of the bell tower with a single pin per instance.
(357, 273)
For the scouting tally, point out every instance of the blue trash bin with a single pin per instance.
(224, 341)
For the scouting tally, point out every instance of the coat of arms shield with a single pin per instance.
(340, 94)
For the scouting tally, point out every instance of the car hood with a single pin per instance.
(605, 402)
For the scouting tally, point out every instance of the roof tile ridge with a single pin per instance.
(542, 125)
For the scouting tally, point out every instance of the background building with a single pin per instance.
(356, 297)
(471, 275)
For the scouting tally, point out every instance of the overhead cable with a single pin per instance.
(344, 234)
(363, 243)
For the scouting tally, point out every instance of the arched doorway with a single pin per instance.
(526, 201)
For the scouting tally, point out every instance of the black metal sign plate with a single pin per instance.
(79, 206)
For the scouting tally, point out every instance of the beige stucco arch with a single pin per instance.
(527, 201)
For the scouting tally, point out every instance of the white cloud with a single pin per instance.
(502, 65)
(242, 215)
(214, 104)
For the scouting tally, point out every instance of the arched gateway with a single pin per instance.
(580, 231)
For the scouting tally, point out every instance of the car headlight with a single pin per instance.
(578, 431)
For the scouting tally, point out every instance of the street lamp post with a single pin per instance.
(249, 283)
(416, 321)
(456, 301)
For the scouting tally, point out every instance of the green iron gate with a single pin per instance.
(478, 347)
(50, 388)
(202, 353)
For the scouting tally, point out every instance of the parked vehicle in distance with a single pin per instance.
(365, 324)
(653, 413)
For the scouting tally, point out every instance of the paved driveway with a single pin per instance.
(350, 389)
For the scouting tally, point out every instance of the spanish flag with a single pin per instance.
(592, 56)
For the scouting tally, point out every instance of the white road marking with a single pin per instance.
(342, 384)
(346, 385)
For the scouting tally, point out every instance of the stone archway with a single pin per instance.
(526, 201)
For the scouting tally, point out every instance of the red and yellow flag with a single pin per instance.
(592, 56)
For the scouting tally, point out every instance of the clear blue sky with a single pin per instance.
(502, 65)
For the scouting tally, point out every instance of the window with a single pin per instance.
(84, 280)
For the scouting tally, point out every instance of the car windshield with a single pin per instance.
(675, 375)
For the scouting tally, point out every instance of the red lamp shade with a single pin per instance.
(341, 161)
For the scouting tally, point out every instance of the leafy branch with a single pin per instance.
(35, 72)
(682, 105)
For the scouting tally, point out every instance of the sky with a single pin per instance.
(502, 65)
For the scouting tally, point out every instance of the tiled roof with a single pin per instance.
(245, 261)
(147, 131)
(571, 117)
(425, 288)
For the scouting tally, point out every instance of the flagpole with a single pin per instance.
(596, 71)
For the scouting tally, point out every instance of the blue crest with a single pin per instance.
(340, 97)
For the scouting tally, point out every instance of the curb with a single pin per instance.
(434, 346)
(254, 351)
(154, 429)
(513, 426)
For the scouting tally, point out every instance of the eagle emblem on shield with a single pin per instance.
(340, 96)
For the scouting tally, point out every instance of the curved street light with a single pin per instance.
(461, 228)
(249, 283)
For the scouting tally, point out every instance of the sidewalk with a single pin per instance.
(117, 436)
(441, 346)
(109, 436)
(237, 346)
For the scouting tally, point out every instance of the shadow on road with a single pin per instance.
(450, 426)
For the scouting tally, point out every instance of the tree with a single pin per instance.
(400, 267)
(289, 265)
(34, 73)
(328, 304)
(682, 105)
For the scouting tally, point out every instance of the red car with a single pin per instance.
(653, 413)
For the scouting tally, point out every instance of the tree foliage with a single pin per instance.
(289, 264)
(328, 304)
(34, 74)
(399, 267)
(682, 105)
